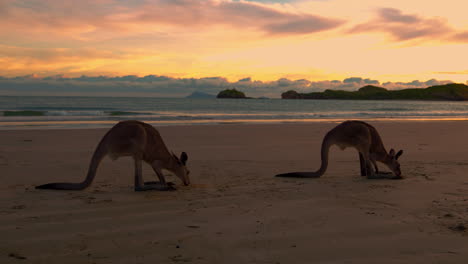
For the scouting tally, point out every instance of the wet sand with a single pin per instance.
(236, 211)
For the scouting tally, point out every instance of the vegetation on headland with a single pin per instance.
(231, 93)
(449, 92)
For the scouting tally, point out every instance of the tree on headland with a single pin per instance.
(231, 93)
(450, 92)
(291, 94)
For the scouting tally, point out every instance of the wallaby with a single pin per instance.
(140, 141)
(366, 140)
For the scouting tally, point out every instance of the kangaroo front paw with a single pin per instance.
(158, 183)
(381, 175)
(385, 172)
(155, 186)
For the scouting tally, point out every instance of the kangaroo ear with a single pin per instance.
(391, 152)
(399, 154)
(183, 158)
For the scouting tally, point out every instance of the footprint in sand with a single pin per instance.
(3, 161)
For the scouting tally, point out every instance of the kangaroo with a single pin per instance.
(366, 140)
(140, 141)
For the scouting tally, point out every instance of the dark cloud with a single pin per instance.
(460, 37)
(302, 25)
(406, 27)
(164, 86)
(369, 81)
(248, 79)
(359, 80)
(395, 15)
(414, 84)
(352, 80)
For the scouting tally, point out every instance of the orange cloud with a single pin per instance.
(58, 60)
(407, 27)
(195, 38)
(460, 36)
(77, 18)
(243, 15)
(465, 72)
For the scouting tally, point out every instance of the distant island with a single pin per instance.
(197, 94)
(231, 94)
(449, 92)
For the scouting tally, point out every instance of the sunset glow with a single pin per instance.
(396, 40)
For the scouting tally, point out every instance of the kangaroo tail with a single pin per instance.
(62, 186)
(98, 155)
(299, 175)
(323, 166)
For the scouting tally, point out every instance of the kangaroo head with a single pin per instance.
(393, 163)
(180, 169)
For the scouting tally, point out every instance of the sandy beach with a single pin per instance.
(236, 211)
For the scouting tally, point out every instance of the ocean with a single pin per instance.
(52, 112)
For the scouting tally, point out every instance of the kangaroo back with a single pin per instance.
(99, 154)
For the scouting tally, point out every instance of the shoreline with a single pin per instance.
(52, 125)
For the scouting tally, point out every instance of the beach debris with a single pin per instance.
(180, 258)
(16, 256)
(18, 207)
(460, 227)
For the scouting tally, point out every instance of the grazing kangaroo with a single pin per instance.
(366, 140)
(141, 141)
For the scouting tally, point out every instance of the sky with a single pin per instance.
(317, 40)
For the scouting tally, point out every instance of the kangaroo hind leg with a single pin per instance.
(362, 164)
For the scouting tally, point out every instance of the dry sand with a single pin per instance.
(236, 211)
